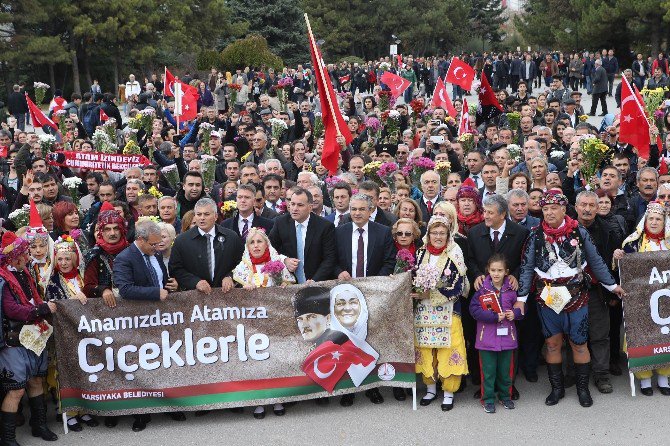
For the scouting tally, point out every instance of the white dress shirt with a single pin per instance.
(373, 216)
(132, 88)
(500, 230)
(478, 181)
(304, 229)
(155, 265)
(211, 246)
(338, 217)
(354, 249)
(240, 222)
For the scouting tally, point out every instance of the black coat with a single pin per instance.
(480, 248)
(320, 249)
(188, 259)
(16, 103)
(380, 252)
(424, 208)
(232, 223)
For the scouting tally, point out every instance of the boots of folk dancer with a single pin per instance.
(555, 372)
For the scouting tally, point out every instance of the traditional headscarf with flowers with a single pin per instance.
(248, 271)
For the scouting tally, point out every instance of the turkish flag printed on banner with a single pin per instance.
(37, 116)
(327, 363)
(464, 125)
(441, 98)
(460, 74)
(634, 128)
(396, 83)
(103, 115)
(331, 117)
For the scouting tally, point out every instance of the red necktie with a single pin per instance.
(496, 239)
(429, 205)
(360, 255)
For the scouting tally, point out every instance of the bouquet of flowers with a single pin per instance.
(391, 120)
(515, 152)
(415, 167)
(131, 148)
(102, 143)
(330, 181)
(443, 168)
(40, 91)
(659, 114)
(72, 185)
(371, 171)
(110, 128)
(171, 175)
(274, 269)
(386, 100)
(595, 152)
(583, 118)
(20, 216)
(384, 66)
(234, 89)
(61, 114)
(404, 261)
(206, 128)
(318, 125)
(47, 144)
(281, 208)
(415, 109)
(386, 173)
(228, 208)
(153, 190)
(653, 99)
(143, 120)
(282, 86)
(208, 167)
(467, 140)
(373, 125)
(278, 128)
(427, 278)
(514, 119)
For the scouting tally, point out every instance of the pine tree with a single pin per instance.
(486, 18)
(281, 22)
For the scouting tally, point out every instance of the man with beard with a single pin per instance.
(110, 239)
(191, 191)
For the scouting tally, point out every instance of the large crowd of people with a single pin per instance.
(513, 211)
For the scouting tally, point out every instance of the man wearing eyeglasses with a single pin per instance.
(140, 274)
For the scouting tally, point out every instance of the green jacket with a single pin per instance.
(409, 75)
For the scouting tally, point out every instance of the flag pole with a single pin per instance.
(312, 43)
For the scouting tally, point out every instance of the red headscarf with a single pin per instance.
(108, 217)
(469, 190)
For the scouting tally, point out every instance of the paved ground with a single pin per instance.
(614, 419)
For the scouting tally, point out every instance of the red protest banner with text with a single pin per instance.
(98, 160)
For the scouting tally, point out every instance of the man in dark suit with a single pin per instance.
(306, 239)
(141, 275)
(246, 218)
(430, 185)
(341, 198)
(204, 257)
(497, 235)
(517, 202)
(374, 255)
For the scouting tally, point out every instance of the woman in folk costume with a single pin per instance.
(652, 234)
(23, 336)
(41, 250)
(257, 253)
(67, 283)
(249, 273)
(439, 342)
(468, 206)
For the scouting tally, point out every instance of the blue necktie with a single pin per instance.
(300, 272)
(152, 271)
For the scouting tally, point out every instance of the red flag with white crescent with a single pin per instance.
(441, 98)
(327, 363)
(103, 115)
(460, 73)
(633, 120)
(397, 84)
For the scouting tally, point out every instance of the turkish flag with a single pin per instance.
(441, 98)
(170, 80)
(103, 115)
(460, 73)
(333, 123)
(396, 83)
(327, 363)
(186, 102)
(464, 126)
(634, 128)
(37, 116)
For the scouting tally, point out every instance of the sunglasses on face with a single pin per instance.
(403, 234)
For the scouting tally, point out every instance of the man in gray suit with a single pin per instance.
(599, 92)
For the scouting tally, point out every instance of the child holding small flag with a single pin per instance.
(492, 308)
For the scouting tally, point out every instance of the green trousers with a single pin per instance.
(497, 371)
